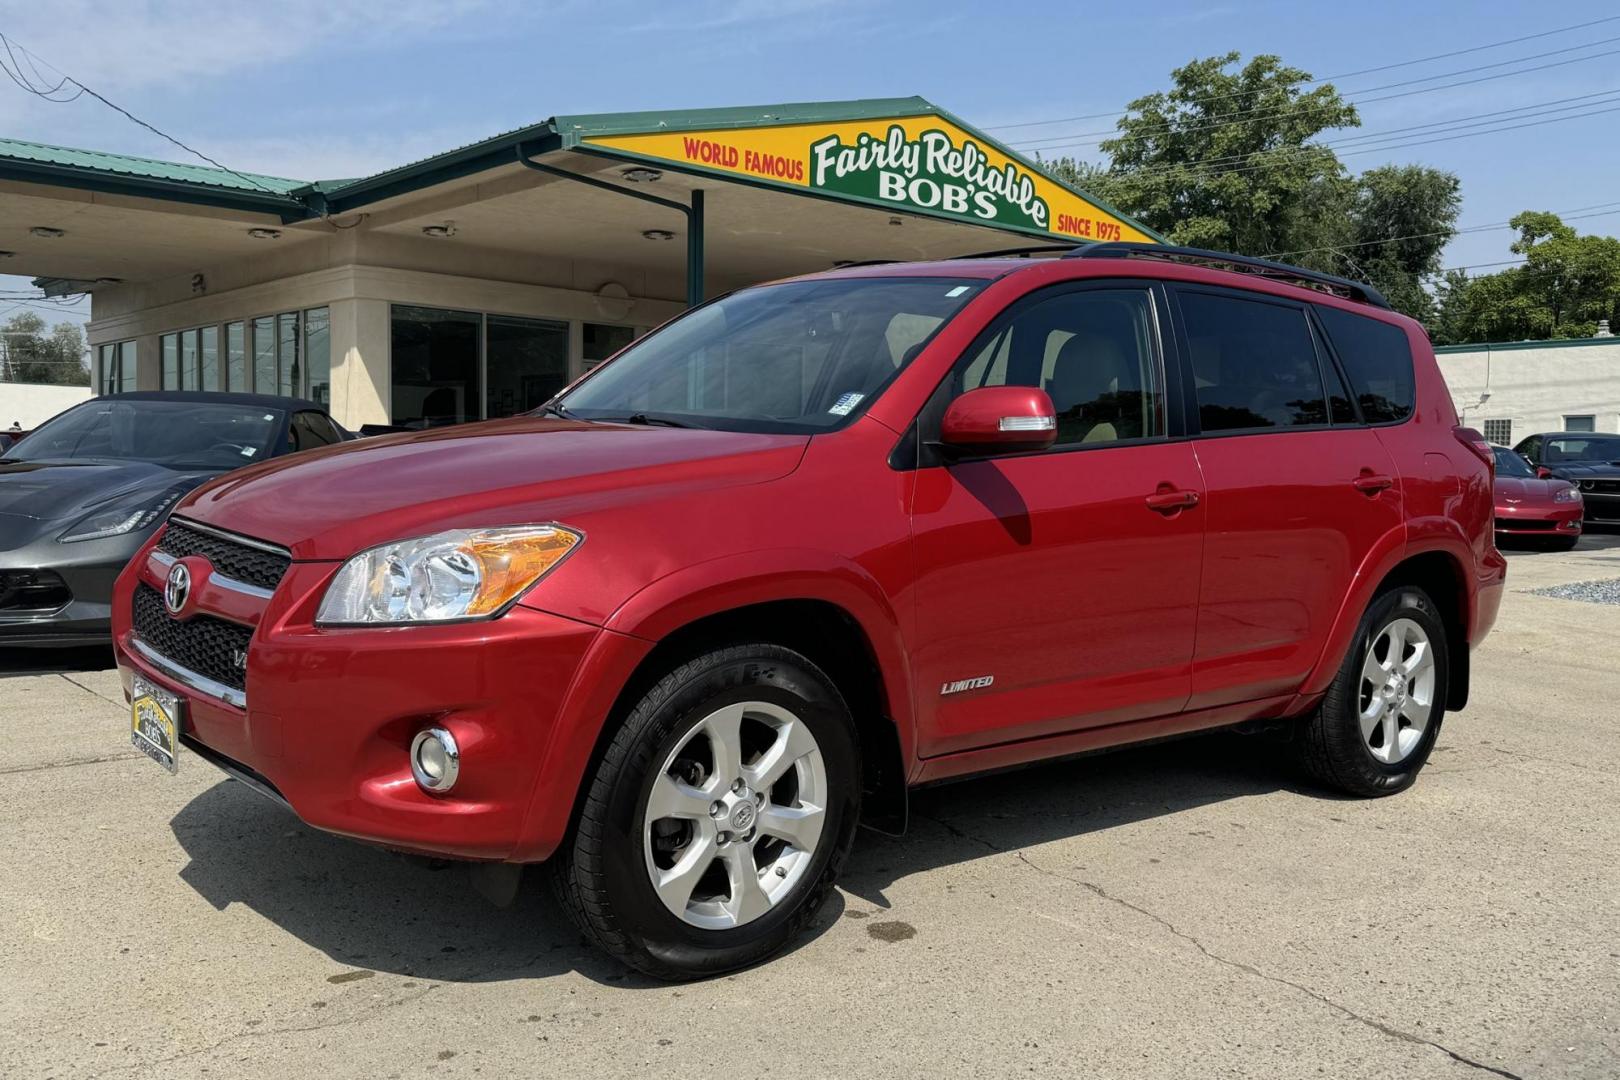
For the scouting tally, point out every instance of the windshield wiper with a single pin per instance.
(644, 420)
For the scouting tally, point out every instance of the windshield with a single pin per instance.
(1509, 463)
(804, 356)
(1582, 448)
(175, 434)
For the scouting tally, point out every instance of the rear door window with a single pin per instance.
(1254, 364)
(1378, 358)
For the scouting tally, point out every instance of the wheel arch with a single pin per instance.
(1436, 567)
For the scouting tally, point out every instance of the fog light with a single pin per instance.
(435, 760)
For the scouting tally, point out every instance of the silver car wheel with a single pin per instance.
(734, 815)
(1397, 691)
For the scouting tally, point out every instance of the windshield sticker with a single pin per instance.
(269, 416)
(954, 293)
(248, 451)
(845, 403)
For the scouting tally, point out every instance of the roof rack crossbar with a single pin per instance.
(1247, 264)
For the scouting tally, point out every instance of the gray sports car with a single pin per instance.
(81, 494)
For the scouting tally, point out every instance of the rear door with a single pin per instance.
(1299, 491)
(1051, 594)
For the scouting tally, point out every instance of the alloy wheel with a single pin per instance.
(1397, 690)
(735, 814)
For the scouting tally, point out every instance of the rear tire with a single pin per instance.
(718, 818)
(1381, 715)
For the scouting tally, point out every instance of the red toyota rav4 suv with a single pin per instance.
(821, 540)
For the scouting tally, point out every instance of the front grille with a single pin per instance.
(238, 561)
(1525, 526)
(33, 590)
(1603, 487)
(206, 645)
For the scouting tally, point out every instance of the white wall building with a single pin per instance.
(1515, 389)
(31, 404)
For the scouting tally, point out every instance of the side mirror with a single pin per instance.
(999, 420)
(1543, 472)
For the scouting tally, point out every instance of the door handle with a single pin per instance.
(1369, 483)
(1171, 502)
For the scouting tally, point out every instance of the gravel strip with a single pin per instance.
(1592, 592)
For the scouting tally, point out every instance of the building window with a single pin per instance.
(602, 341)
(264, 355)
(1580, 423)
(318, 356)
(116, 372)
(434, 359)
(526, 363)
(171, 361)
(208, 357)
(236, 369)
(1499, 432)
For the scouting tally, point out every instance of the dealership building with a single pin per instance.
(478, 282)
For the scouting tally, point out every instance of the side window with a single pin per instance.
(309, 430)
(1378, 359)
(1092, 352)
(1531, 449)
(1254, 364)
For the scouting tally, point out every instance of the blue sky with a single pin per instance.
(320, 90)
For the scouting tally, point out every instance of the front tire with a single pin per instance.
(1381, 715)
(719, 815)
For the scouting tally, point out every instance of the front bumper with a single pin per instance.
(329, 715)
(1602, 507)
(1563, 519)
(88, 569)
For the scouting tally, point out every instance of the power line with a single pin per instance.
(14, 70)
(1330, 78)
(1460, 122)
(1563, 215)
(1246, 116)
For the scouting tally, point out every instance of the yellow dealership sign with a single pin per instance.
(921, 163)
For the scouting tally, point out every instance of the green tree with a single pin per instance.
(1227, 159)
(35, 356)
(1224, 159)
(1401, 219)
(1567, 284)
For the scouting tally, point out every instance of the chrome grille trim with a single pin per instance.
(186, 677)
(235, 538)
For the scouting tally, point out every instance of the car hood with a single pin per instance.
(1527, 491)
(1578, 470)
(331, 503)
(44, 497)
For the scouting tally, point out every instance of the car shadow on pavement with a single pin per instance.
(368, 908)
(20, 661)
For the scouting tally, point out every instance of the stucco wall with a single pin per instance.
(31, 404)
(1536, 384)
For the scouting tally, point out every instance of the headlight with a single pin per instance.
(123, 516)
(1567, 494)
(458, 574)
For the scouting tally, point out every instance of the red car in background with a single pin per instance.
(819, 541)
(1534, 509)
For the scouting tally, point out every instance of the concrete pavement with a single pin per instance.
(1188, 910)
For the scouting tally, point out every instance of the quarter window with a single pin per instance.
(1254, 364)
(1378, 359)
(1092, 352)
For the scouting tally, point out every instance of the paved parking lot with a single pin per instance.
(1181, 910)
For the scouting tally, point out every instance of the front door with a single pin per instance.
(1058, 590)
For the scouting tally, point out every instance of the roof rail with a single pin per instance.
(1043, 249)
(1243, 264)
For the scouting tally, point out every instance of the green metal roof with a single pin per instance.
(300, 199)
(147, 168)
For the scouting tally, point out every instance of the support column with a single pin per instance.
(694, 250)
(360, 375)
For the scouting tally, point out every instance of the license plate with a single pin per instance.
(155, 716)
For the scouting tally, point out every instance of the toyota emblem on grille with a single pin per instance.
(177, 588)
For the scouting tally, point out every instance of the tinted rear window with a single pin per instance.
(1254, 364)
(1378, 359)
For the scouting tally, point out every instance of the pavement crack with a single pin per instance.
(295, 1029)
(1250, 970)
(89, 690)
(14, 769)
